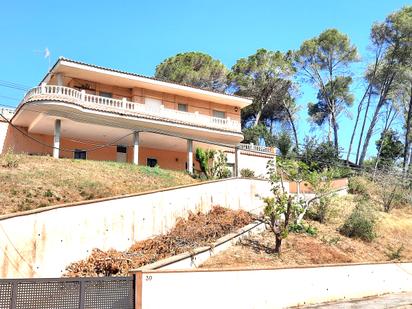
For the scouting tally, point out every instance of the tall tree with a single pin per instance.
(390, 149)
(266, 76)
(338, 93)
(324, 61)
(195, 69)
(395, 35)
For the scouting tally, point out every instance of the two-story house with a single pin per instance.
(86, 111)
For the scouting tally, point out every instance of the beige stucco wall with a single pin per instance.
(270, 288)
(42, 244)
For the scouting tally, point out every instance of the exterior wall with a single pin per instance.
(168, 100)
(167, 159)
(306, 188)
(254, 161)
(10, 138)
(41, 243)
(269, 288)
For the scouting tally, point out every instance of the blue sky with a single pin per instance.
(137, 35)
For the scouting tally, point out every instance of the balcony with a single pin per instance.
(126, 107)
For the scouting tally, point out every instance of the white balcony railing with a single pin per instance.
(50, 92)
(252, 147)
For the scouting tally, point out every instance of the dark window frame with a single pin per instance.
(215, 111)
(150, 161)
(185, 107)
(121, 149)
(80, 154)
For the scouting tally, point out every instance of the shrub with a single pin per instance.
(321, 210)
(302, 228)
(10, 159)
(361, 223)
(394, 253)
(358, 185)
(247, 173)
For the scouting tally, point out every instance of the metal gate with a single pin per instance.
(67, 293)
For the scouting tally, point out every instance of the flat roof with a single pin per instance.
(91, 72)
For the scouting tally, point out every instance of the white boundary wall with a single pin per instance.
(253, 161)
(268, 288)
(42, 243)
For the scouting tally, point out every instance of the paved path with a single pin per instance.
(400, 301)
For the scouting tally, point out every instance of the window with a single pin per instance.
(80, 154)
(182, 107)
(121, 149)
(106, 94)
(219, 114)
(152, 162)
(153, 103)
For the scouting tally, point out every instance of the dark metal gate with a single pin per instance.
(67, 293)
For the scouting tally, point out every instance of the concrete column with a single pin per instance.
(56, 140)
(190, 156)
(59, 79)
(237, 157)
(136, 147)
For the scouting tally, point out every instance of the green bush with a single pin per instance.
(358, 185)
(302, 228)
(247, 173)
(361, 223)
(323, 210)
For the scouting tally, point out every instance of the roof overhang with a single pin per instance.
(93, 73)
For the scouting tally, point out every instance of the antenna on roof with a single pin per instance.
(47, 55)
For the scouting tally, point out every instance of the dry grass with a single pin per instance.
(327, 247)
(33, 181)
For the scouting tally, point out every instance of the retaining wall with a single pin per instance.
(41, 243)
(268, 288)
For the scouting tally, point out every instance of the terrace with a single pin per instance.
(129, 108)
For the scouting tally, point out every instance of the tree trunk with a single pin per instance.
(360, 105)
(292, 123)
(257, 119)
(407, 132)
(384, 92)
(278, 244)
(363, 126)
(335, 132)
(329, 129)
(370, 132)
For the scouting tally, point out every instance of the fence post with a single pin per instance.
(138, 289)
(82, 294)
(14, 295)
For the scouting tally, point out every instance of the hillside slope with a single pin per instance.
(29, 182)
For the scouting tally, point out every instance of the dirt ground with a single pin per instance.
(327, 247)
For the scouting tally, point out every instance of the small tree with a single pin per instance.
(283, 208)
(213, 164)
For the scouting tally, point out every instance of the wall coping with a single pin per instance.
(399, 264)
(117, 197)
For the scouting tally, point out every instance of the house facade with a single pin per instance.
(85, 111)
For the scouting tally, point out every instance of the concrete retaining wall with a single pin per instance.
(268, 288)
(42, 243)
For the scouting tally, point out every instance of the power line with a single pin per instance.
(12, 85)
